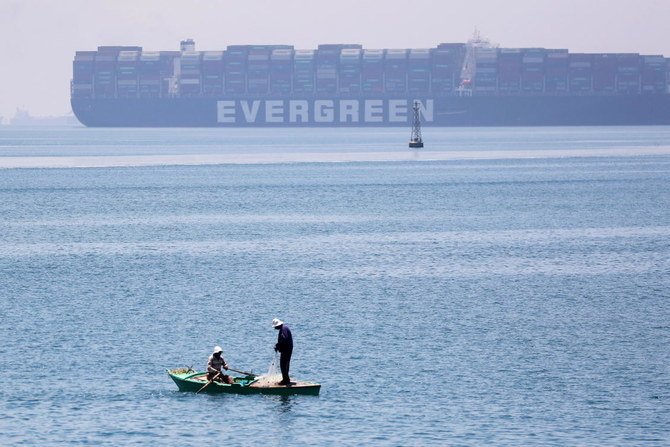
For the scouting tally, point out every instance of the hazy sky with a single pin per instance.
(38, 38)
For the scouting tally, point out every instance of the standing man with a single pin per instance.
(285, 347)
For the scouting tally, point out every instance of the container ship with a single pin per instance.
(454, 84)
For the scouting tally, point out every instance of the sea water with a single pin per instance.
(501, 287)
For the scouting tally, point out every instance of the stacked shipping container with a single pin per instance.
(327, 58)
(281, 71)
(327, 66)
(82, 74)
(235, 69)
(653, 74)
(533, 70)
(510, 68)
(104, 81)
(447, 63)
(486, 76)
(304, 63)
(212, 73)
(604, 73)
(127, 74)
(105, 75)
(372, 71)
(149, 74)
(258, 70)
(348, 70)
(580, 73)
(395, 71)
(556, 69)
(190, 81)
(418, 72)
(628, 73)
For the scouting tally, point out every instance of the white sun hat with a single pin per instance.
(217, 349)
(276, 323)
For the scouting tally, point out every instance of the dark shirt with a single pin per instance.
(284, 339)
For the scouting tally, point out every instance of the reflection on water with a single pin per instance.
(285, 403)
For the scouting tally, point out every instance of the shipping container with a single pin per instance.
(104, 82)
(510, 67)
(653, 75)
(533, 70)
(418, 72)
(580, 73)
(604, 73)
(104, 77)
(628, 73)
(258, 70)
(190, 79)
(82, 74)
(83, 66)
(281, 71)
(372, 71)
(115, 50)
(327, 59)
(486, 71)
(556, 71)
(127, 74)
(447, 63)
(235, 69)
(212, 73)
(327, 66)
(304, 68)
(149, 73)
(349, 74)
(395, 71)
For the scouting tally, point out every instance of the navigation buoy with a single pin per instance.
(415, 140)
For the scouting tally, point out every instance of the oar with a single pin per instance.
(208, 383)
(243, 372)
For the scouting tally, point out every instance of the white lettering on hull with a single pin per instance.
(349, 111)
(299, 108)
(397, 111)
(324, 112)
(321, 111)
(274, 111)
(373, 111)
(225, 111)
(250, 113)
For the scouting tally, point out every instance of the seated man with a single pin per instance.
(214, 365)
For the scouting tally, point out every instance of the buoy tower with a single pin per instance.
(415, 140)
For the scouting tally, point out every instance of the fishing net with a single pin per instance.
(273, 375)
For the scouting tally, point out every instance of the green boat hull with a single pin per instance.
(192, 381)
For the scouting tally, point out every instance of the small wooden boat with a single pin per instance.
(193, 381)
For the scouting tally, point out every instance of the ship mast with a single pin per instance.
(415, 140)
(469, 68)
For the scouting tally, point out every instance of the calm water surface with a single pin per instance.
(464, 302)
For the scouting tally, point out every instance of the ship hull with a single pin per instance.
(382, 111)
